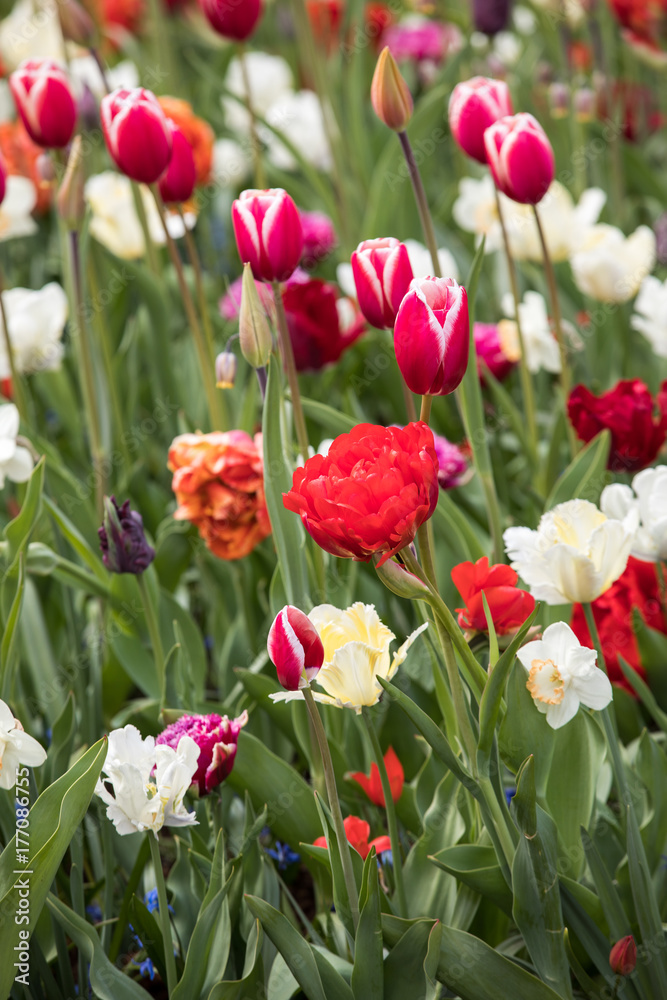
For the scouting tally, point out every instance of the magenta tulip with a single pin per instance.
(45, 102)
(382, 275)
(432, 336)
(136, 133)
(520, 158)
(295, 648)
(268, 232)
(474, 106)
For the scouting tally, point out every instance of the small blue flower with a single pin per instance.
(385, 858)
(283, 855)
(94, 912)
(509, 794)
(146, 968)
(151, 902)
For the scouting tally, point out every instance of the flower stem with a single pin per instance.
(390, 807)
(260, 179)
(290, 369)
(334, 806)
(163, 913)
(422, 203)
(152, 623)
(499, 822)
(149, 247)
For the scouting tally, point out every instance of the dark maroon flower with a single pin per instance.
(491, 16)
(122, 539)
(321, 324)
(216, 736)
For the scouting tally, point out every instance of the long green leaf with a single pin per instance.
(18, 531)
(368, 976)
(584, 476)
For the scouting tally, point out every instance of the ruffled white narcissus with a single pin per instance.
(648, 498)
(562, 674)
(15, 461)
(16, 747)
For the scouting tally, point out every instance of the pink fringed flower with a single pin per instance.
(216, 736)
(453, 466)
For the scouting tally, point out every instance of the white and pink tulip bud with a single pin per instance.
(45, 102)
(520, 158)
(137, 134)
(382, 275)
(432, 336)
(295, 648)
(475, 105)
(268, 232)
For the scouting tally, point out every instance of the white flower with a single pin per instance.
(31, 31)
(270, 77)
(231, 163)
(299, 118)
(85, 72)
(145, 784)
(648, 498)
(609, 266)
(15, 461)
(540, 344)
(345, 280)
(650, 316)
(507, 48)
(20, 199)
(420, 260)
(524, 20)
(356, 652)
(16, 747)
(36, 321)
(562, 674)
(573, 10)
(575, 555)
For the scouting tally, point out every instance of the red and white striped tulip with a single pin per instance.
(475, 105)
(432, 336)
(136, 133)
(382, 275)
(268, 232)
(295, 648)
(235, 19)
(520, 158)
(178, 181)
(45, 102)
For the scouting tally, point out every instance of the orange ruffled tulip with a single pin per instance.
(197, 131)
(219, 485)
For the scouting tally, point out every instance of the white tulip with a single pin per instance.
(16, 461)
(647, 498)
(270, 77)
(299, 118)
(609, 266)
(16, 747)
(650, 316)
(15, 212)
(539, 341)
(422, 266)
(36, 321)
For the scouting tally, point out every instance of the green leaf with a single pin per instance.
(331, 420)
(91, 558)
(477, 867)
(340, 894)
(584, 478)
(644, 694)
(251, 982)
(404, 965)
(367, 977)
(8, 651)
(525, 731)
(149, 933)
(433, 893)
(457, 524)
(18, 531)
(646, 904)
(62, 739)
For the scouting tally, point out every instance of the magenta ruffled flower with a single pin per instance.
(453, 467)
(489, 350)
(422, 40)
(216, 736)
(319, 237)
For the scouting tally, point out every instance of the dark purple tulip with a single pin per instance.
(122, 539)
(491, 16)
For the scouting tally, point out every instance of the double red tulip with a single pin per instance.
(268, 232)
(520, 158)
(357, 832)
(235, 19)
(372, 784)
(45, 102)
(318, 329)
(137, 133)
(474, 106)
(382, 275)
(178, 181)
(509, 606)
(432, 336)
(295, 648)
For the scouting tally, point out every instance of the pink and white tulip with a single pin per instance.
(295, 648)
(382, 275)
(432, 336)
(474, 106)
(45, 101)
(268, 232)
(137, 134)
(520, 158)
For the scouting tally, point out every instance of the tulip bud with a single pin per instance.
(70, 201)
(400, 580)
(520, 158)
(559, 100)
(432, 336)
(584, 102)
(45, 102)
(225, 370)
(254, 332)
(295, 648)
(474, 106)
(623, 956)
(490, 16)
(136, 133)
(122, 539)
(235, 19)
(390, 94)
(382, 275)
(268, 232)
(76, 23)
(178, 181)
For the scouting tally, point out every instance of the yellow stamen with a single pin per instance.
(545, 682)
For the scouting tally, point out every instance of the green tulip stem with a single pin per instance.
(390, 807)
(422, 203)
(290, 369)
(152, 624)
(334, 806)
(163, 906)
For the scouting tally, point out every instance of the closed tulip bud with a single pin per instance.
(295, 648)
(584, 102)
(490, 16)
(45, 102)
(400, 580)
(474, 106)
(225, 370)
(136, 133)
(559, 100)
(382, 275)
(70, 201)
(75, 22)
(432, 336)
(254, 332)
(520, 158)
(122, 539)
(178, 181)
(235, 19)
(623, 956)
(390, 94)
(268, 232)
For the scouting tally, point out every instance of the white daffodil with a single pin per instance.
(356, 652)
(609, 266)
(420, 261)
(145, 784)
(298, 116)
(16, 747)
(562, 674)
(648, 499)
(31, 31)
(231, 163)
(540, 344)
(15, 211)
(15, 461)
(575, 554)
(36, 321)
(270, 77)
(650, 316)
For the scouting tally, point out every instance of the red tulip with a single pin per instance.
(623, 956)
(268, 232)
(357, 832)
(319, 331)
(520, 158)
(136, 133)
(509, 606)
(178, 181)
(627, 410)
(382, 275)
(44, 101)
(295, 648)
(432, 336)
(474, 106)
(372, 784)
(235, 19)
